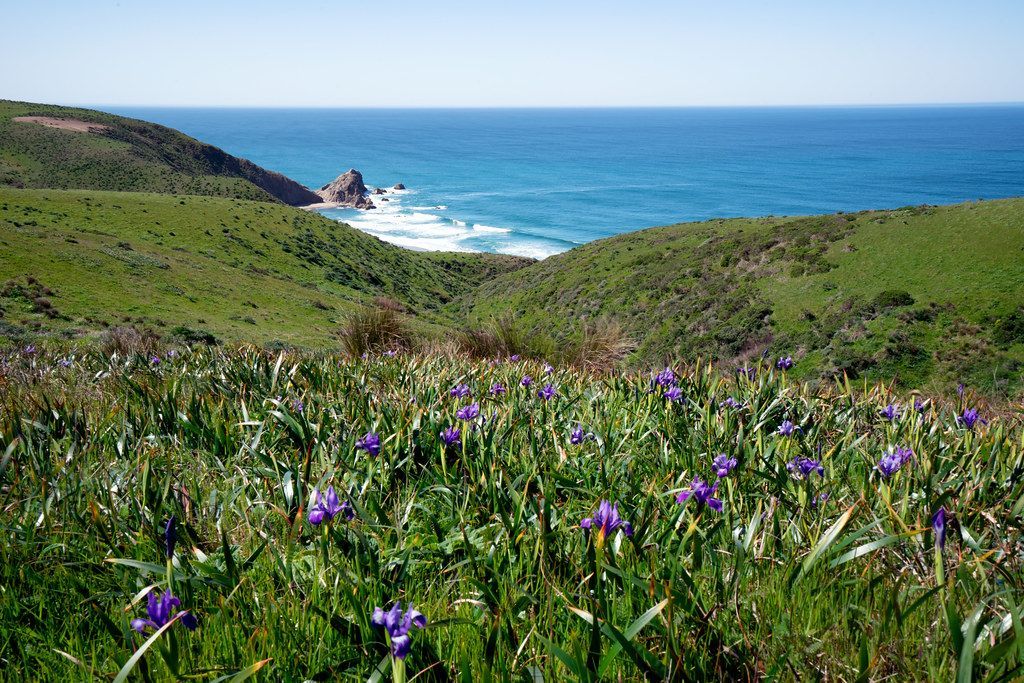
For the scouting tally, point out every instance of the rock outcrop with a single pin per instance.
(347, 190)
(399, 186)
(379, 190)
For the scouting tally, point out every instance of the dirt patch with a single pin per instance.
(64, 124)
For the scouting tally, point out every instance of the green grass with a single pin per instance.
(733, 289)
(484, 537)
(242, 270)
(131, 156)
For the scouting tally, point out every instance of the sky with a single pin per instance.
(443, 53)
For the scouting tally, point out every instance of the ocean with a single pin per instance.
(536, 182)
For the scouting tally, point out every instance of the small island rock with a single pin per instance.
(347, 190)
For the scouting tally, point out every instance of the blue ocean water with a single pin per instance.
(539, 181)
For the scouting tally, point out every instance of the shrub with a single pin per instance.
(602, 345)
(369, 330)
(1010, 330)
(126, 341)
(189, 336)
(892, 298)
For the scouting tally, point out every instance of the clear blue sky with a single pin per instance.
(525, 53)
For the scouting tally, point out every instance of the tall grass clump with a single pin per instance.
(224, 514)
(503, 337)
(375, 329)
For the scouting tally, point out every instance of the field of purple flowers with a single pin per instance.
(222, 515)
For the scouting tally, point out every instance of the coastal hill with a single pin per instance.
(70, 148)
(78, 261)
(912, 295)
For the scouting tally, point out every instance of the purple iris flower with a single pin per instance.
(451, 436)
(297, 405)
(939, 527)
(960, 389)
(723, 465)
(892, 461)
(547, 392)
(171, 354)
(526, 381)
(665, 378)
(391, 353)
(459, 391)
(785, 363)
(969, 418)
(64, 362)
(398, 625)
(514, 358)
(891, 412)
(548, 369)
(747, 371)
(577, 436)
(787, 428)
(703, 493)
(170, 536)
(29, 350)
(731, 403)
(497, 389)
(160, 610)
(468, 412)
(155, 360)
(805, 467)
(327, 507)
(918, 405)
(369, 443)
(674, 394)
(606, 521)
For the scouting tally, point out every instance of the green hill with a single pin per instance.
(244, 270)
(917, 294)
(69, 148)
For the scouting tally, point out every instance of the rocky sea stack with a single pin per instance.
(347, 190)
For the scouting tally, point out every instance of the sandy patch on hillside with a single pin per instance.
(64, 124)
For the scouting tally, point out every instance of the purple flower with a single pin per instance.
(468, 412)
(369, 443)
(805, 467)
(747, 371)
(155, 360)
(892, 461)
(787, 428)
(171, 354)
(451, 436)
(297, 405)
(459, 391)
(891, 412)
(703, 493)
(731, 403)
(497, 389)
(785, 363)
(391, 353)
(29, 350)
(665, 378)
(969, 418)
(526, 381)
(674, 394)
(170, 536)
(327, 507)
(547, 392)
(577, 436)
(65, 362)
(160, 610)
(514, 357)
(548, 369)
(723, 465)
(397, 626)
(960, 389)
(918, 405)
(606, 521)
(939, 527)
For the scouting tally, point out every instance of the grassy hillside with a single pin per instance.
(118, 153)
(921, 294)
(241, 269)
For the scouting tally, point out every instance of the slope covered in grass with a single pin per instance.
(816, 556)
(920, 294)
(240, 269)
(65, 147)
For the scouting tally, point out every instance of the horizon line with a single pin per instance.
(849, 105)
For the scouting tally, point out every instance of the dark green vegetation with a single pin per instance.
(920, 295)
(119, 153)
(240, 270)
(483, 536)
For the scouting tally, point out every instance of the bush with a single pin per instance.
(187, 335)
(125, 340)
(370, 330)
(1010, 330)
(892, 298)
(601, 346)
